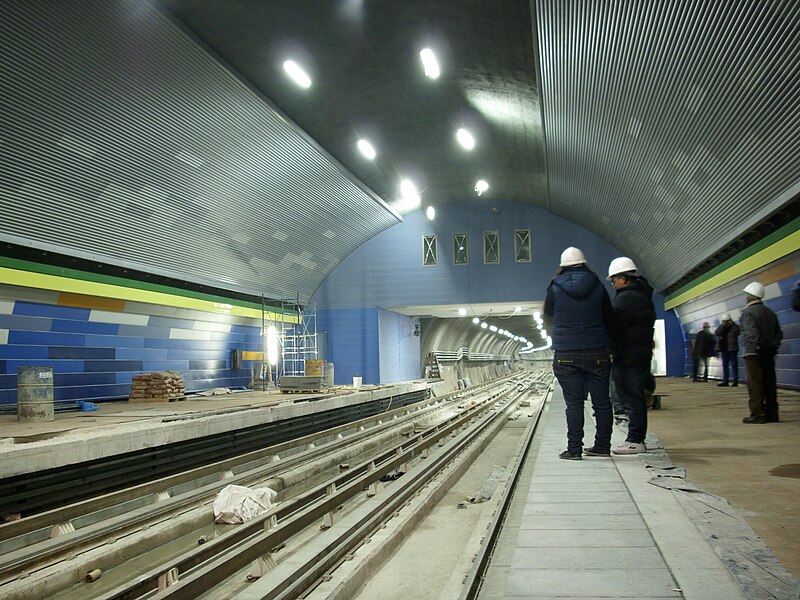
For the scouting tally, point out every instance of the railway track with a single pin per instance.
(119, 529)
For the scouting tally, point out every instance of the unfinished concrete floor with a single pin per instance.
(755, 467)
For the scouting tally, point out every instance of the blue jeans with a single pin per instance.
(579, 371)
(629, 382)
(730, 364)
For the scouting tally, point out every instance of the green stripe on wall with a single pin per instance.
(24, 265)
(776, 245)
(48, 277)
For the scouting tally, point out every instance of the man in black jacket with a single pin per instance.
(631, 336)
(761, 338)
(576, 311)
(702, 351)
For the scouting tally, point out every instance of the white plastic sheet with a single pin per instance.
(239, 504)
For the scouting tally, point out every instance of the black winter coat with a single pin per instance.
(632, 325)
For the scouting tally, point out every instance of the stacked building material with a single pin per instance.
(298, 384)
(157, 387)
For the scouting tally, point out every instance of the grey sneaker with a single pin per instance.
(594, 452)
(630, 448)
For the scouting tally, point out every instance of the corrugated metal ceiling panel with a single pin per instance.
(671, 127)
(124, 141)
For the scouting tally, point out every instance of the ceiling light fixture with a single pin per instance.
(484, 325)
(481, 186)
(430, 212)
(409, 192)
(476, 320)
(366, 149)
(430, 63)
(297, 74)
(465, 138)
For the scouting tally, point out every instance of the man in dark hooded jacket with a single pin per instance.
(631, 335)
(575, 311)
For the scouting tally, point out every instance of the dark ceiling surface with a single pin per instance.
(367, 81)
(640, 121)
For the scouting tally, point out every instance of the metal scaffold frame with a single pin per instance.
(299, 341)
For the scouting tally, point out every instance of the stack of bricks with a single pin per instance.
(157, 387)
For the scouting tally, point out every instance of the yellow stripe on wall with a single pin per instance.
(781, 248)
(117, 292)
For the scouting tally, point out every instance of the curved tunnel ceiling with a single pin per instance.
(125, 142)
(164, 135)
(671, 127)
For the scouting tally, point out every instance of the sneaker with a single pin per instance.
(592, 452)
(751, 420)
(630, 448)
(722, 385)
(567, 455)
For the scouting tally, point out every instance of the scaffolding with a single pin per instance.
(299, 341)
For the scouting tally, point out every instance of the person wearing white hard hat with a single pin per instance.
(728, 346)
(761, 338)
(575, 313)
(631, 336)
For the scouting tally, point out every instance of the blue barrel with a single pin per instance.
(35, 394)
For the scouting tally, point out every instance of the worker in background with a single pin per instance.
(631, 334)
(728, 346)
(703, 349)
(761, 337)
(576, 310)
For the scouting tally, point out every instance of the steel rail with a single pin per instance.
(306, 576)
(78, 509)
(81, 508)
(22, 560)
(39, 491)
(475, 577)
(250, 540)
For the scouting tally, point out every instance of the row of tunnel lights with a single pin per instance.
(537, 317)
(408, 190)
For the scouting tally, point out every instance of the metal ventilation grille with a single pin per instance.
(123, 141)
(671, 127)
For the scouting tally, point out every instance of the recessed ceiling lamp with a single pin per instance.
(484, 325)
(430, 212)
(481, 186)
(465, 138)
(493, 328)
(296, 73)
(462, 311)
(366, 149)
(429, 62)
(476, 320)
(409, 193)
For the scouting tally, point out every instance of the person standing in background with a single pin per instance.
(728, 345)
(703, 349)
(576, 311)
(761, 338)
(631, 336)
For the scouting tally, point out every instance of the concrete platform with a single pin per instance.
(121, 427)
(633, 526)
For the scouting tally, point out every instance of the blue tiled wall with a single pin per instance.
(387, 271)
(399, 347)
(352, 343)
(94, 360)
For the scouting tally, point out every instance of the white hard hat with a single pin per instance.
(623, 264)
(571, 257)
(754, 289)
(727, 317)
